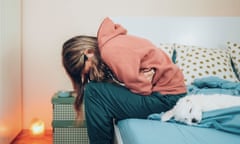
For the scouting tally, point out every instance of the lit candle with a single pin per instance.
(3, 130)
(37, 127)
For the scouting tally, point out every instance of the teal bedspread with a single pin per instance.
(143, 131)
(217, 127)
(227, 119)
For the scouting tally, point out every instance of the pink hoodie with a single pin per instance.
(126, 55)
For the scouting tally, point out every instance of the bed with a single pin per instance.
(207, 50)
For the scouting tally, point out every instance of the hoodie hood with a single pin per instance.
(109, 30)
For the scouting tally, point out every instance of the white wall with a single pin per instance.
(48, 23)
(10, 70)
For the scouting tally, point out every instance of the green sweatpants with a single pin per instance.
(106, 101)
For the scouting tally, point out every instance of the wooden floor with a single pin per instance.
(25, 137)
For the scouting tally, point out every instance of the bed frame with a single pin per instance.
(209, 32)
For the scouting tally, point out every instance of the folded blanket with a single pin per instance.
(213, 85)
(227, 119)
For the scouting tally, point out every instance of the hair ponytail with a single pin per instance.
(73, 59)
(79, 89)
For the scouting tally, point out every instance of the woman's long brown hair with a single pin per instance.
(73, 59)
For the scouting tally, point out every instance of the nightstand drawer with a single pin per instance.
(65, 128)
(68, 132)
(63, 108)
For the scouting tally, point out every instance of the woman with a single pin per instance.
(120, 76)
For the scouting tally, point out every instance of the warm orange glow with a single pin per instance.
(3, 130)
(37, 127)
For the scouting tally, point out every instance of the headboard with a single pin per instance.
(211, 32)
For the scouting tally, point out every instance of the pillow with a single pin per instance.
(234, 49)
(167, 48)
(196, 62)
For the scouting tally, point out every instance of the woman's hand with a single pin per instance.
(148, 73)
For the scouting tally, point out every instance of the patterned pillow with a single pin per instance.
(167, 48)
(234, 49)
(197, 62)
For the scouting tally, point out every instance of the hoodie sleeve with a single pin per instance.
(123, 54)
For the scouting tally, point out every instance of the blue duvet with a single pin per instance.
(217, 127)
(227, 119)
(142, 131)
